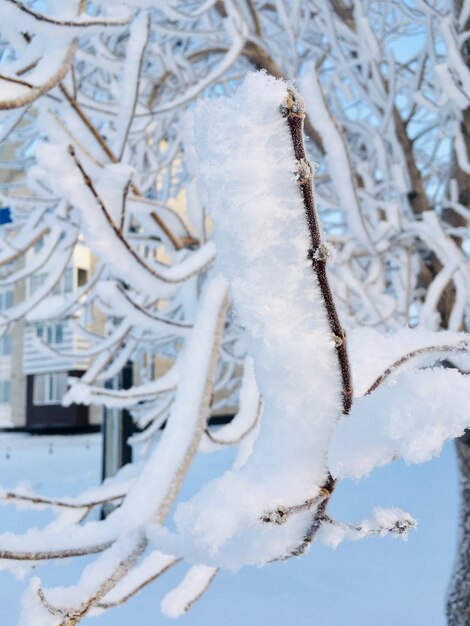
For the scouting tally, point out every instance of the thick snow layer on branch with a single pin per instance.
(174, 453)
(97, 575)
(455, 62)
(100, 230)
(411, 418)
(64, 25)
(247, 164)
(249, 406)
(393, 522)
(168, 463)
(138, 37)
(155, 564)
(81, 393)
(339, 163)
(178, 601)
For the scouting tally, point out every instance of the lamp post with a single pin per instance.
(117, 427)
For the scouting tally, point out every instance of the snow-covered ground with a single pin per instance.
(374, 582)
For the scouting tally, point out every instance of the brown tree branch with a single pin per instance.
(46, 19)
(463, 346)
(36, 92)
(281, 514)
(46, 555)
(255, 17)
(78, 110)
(293, 110)
(39, 500)
(317, 521)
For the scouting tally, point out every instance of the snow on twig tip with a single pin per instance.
(293, 104)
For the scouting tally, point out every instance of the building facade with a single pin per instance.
(38, 355)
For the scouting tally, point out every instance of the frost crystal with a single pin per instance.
(325, 252)
(303, 171)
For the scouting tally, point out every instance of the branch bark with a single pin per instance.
(293, 110)
(458, 602)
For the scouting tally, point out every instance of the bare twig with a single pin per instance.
(39, 500)
(78, 110)
(399, 527)
(123, 205)
(293, 110)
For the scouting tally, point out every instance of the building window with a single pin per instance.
(6, 299)
(5, 391)
(37, 281)
(49, 388)
(82, 277)
(67, 280)
(5, 345)
(51, 333)
(65, 284)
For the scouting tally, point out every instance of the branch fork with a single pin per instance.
(281, 514)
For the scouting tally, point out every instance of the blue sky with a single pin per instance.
(373, 582)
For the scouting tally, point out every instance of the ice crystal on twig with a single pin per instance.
(303, 171)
